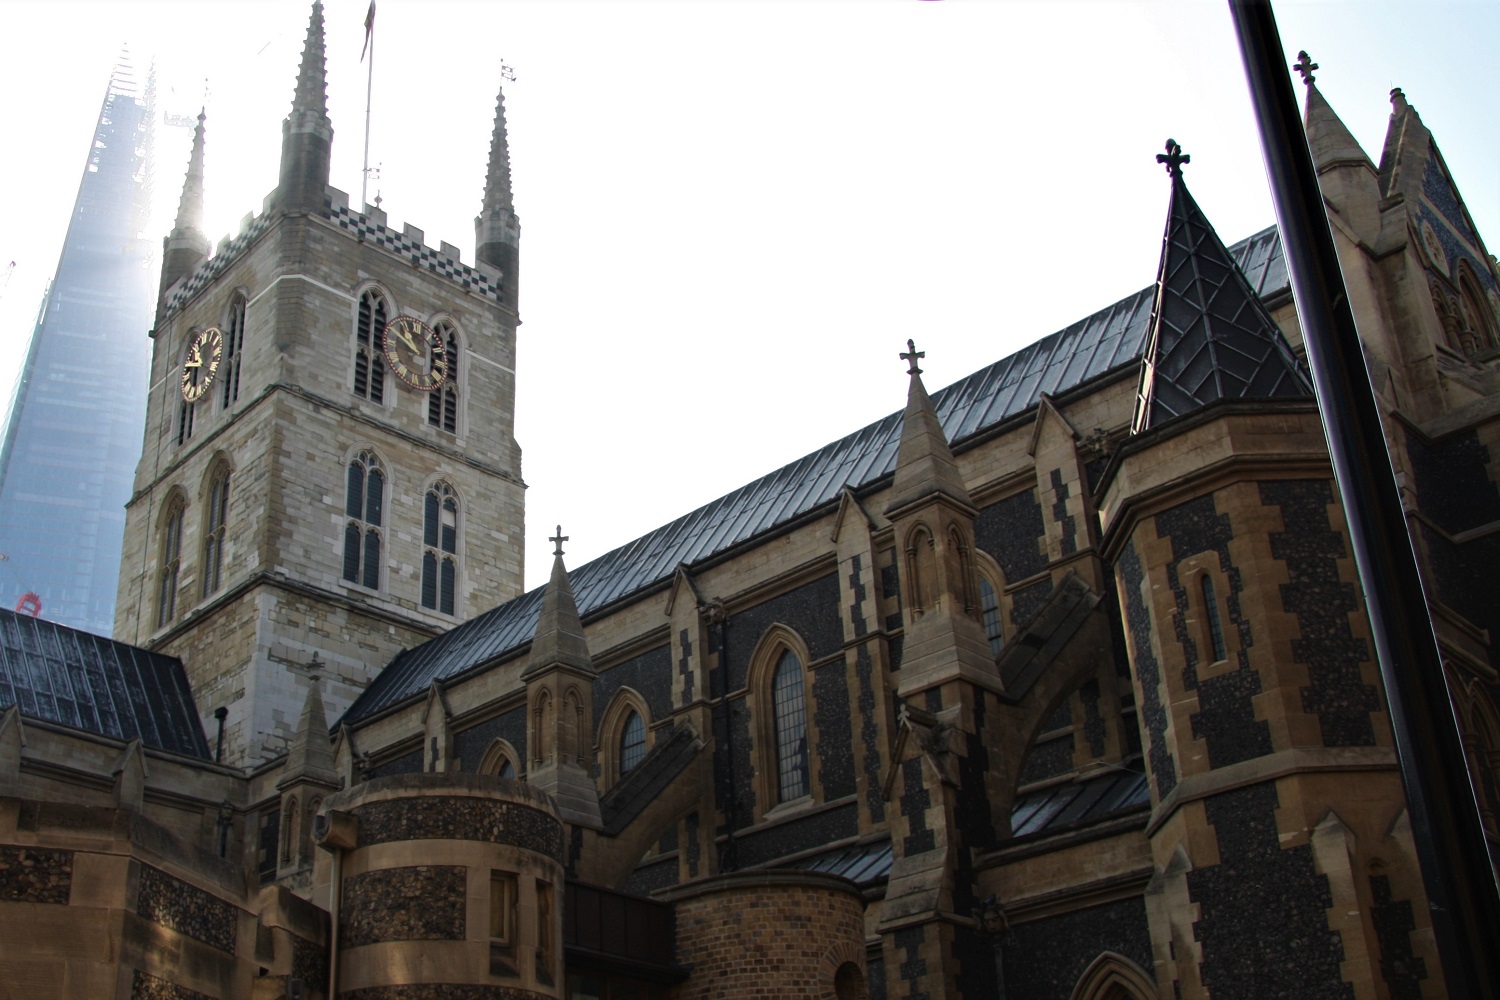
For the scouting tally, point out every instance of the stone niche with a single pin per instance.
(444, 878)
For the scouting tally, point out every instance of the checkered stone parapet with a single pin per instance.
(372, 233)
(216, 265)
(415, 251)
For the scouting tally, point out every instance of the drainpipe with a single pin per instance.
(221, 713)
(335, 831)
(731, 807)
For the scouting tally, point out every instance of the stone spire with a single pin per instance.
(924, 462)
(1346, 176)
(307, 134)
(497, 230)
(186, 246)
(559, 680)
(1211, 338)
(559, 637)
(310, 756)
(1330, 140)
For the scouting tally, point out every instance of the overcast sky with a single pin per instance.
(734, 214)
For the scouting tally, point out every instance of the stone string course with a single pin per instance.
(441, 991)
(186, 909)
(32, 875)
(458, 818)
(421, 903)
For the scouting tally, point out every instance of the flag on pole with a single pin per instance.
(369, 30)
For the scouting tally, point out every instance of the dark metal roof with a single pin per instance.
(1078, 803)
(865, 865)
(1092, 347)
(59, 674)
(1211, 336)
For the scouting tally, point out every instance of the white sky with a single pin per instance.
(734, 214)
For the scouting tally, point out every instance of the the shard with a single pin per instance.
(73, 436)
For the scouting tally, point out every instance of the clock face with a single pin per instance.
(202, 363)
(415, 353)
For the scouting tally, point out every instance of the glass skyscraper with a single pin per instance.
(74, 434)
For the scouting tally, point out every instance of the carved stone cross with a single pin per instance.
(911, 355)
(1305, 66)
(559, 538)
(1174, 158)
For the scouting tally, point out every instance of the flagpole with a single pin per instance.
(364, 184)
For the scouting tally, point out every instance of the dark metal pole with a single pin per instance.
(1451, 849)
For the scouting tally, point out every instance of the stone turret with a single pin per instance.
(497, 230)
(306, 133)
(185, 247)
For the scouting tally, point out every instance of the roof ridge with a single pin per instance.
(507, 628)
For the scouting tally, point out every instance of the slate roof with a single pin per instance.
(1211, 336)
(1078, 803)
(1105, 343)
(59, 674)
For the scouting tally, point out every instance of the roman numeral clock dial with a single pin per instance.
(202, 363)
(415, 353)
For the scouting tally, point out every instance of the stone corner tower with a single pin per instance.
(330, 466)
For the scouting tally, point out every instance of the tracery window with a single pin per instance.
(442, 403)
(364, 509)
(171, 560)
(369, 361)
(234, 342)
(214, 523)
(632, 742)
(440, 549)
(789, 705)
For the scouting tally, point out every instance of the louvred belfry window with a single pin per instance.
(440, 549)
(442, 402)
(171, 561)
(234, 343)
(369, 361)
(217, 517)
(364, 509)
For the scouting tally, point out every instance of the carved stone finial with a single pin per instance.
(1305, 66)
(911, 355)
(1174, 158)
(558, 538)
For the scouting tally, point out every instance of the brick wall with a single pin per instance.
(769, 934)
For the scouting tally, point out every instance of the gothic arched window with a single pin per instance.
(442, 403)
(789, 705)
(216, 517)
(171, 559)
(989, 613)
(632, 742)
(364, 508)
(234, 343)
(369, 361)
(440, 549)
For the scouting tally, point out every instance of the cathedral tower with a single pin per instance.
(329, 465)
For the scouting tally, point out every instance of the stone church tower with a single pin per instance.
(329, 465)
